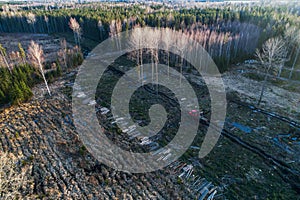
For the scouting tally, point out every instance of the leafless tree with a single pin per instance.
(112, 28)
(115, 27)
(36, 57)
(293, 35)
(225, 42)
(136, 42)
(152, 38)
(47, 23)
(181, 47)
(12, 178)
(31, 19)
(156, 41)
(101, 29)
(15, 58)
(167, 38)
(118, 26)
(5, 8)
(62, 54)
(272, 57)
(74, 25)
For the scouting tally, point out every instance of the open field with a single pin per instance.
(51, 44)
(282, 96)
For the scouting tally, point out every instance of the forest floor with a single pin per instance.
(41, 132)
(50, 44)
(281, 97)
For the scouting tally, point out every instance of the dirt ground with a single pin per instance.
(42, 133)
(275, 99)
(50, 44)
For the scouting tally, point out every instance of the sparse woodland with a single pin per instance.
(230, 34)
(21, 70)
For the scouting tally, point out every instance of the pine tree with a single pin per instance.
(22, 53)
(16, 95)
(26, 91)
(2, 97)
(58, 70)
(3, 54)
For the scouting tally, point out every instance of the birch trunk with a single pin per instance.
(46, 83)
(6, 63)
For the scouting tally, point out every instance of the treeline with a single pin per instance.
(232, 33)
(18, 74)
(226, 44)
(96, 21)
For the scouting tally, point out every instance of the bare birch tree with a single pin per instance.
(31, 19)
(167, 38)
(46, 19)
(272, 56)
(36, 57)
(112, 28)
(115, 27)
(74, 25)
(293, 34)
(62, 54)
(181, 47)
(101, 29)
(136, 41)
(152, 38)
